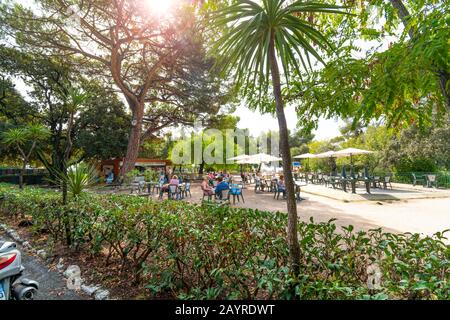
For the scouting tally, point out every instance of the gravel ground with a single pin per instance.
(52, 285)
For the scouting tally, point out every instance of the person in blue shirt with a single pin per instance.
(222, 185)
(282, 186)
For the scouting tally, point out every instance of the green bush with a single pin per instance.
(204, 251)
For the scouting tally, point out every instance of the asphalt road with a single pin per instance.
(52, 285)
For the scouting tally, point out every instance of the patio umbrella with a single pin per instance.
(263, 157)
(259, 159)
(239, 158)
(351, 152)
(328, 154)
(305, 156)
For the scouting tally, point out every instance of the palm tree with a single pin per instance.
(256, 38)
(25, 141)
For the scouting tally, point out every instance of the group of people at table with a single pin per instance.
(215, 183)
(165, 182)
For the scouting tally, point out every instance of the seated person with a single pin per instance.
(162, 178)
(174, 181)
(165, 187)
(110, 177)
(222, 185)
(281, 185)
(206, 187)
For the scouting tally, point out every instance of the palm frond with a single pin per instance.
(247, 28)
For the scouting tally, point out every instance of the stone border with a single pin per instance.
(72, 273)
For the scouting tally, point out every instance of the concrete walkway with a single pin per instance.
(398, 192)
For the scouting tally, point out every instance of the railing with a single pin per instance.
(442, 178)
(16, 171)
(31, 176)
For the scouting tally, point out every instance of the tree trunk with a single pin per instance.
(443, 75)
(22, 173)
(294, 248)
(135, 139)
(444, 78)
(403, 14)
(201, 168)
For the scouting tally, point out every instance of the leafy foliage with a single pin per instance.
(207, 252)
(79, 177)
(402, 84)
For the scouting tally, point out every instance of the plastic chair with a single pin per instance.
(236, 191)
(206, 194)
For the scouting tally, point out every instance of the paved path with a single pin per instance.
(52, 285)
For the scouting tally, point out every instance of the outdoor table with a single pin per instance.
(366, 182)
(335, 180)
(151, 186)
(375, 181)
(298, 185)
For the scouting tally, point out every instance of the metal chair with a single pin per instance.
(386, 181)
(277, 192)
(258, 185)
(418, 178)
(431, 180)
(187, 189)
(174, 190)
(224, 196)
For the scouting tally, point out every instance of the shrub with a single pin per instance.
(204, 251)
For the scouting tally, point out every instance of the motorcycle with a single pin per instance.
(12, 286)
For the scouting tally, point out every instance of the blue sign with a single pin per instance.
(296, 164)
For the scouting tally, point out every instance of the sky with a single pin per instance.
(257, 123)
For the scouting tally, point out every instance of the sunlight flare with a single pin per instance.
(160, 7)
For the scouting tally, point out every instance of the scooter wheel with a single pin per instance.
(22, 292)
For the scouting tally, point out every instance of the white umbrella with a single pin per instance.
(328, 154)
(245, 161)
(351, 152)
(240, 157)
(305, 156)
(262, 157)
(259, 159)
